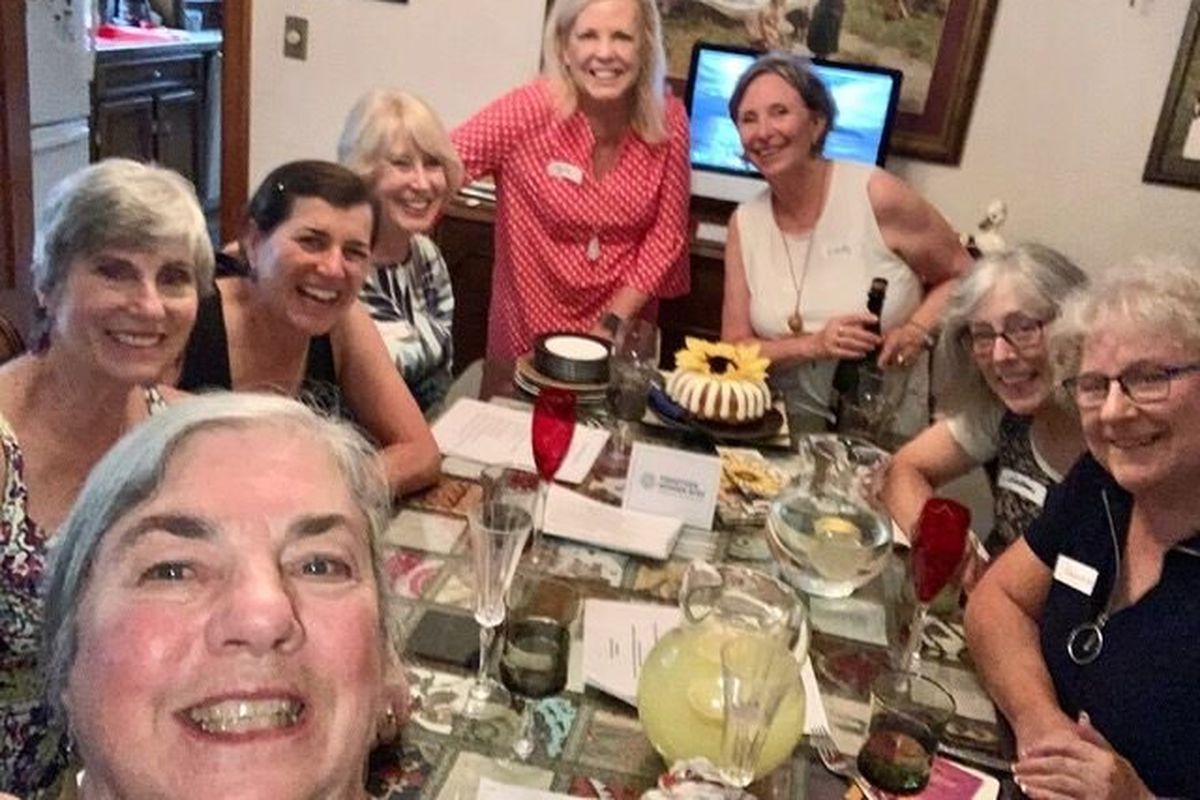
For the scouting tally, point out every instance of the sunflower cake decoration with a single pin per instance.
(720, 381)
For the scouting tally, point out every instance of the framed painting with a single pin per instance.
(939, 45)
(1175, 150)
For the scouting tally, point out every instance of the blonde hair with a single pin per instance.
(383, 116)
(649, 98)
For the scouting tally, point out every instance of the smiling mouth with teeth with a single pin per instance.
(136, 339)
(319, 295)
(245, 716)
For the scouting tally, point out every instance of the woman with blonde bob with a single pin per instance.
(397, 144)
(121, 260)
(1086, 632)
(214, 616)
(591, 163)
(1005, 410)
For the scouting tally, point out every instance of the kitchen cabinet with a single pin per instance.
(152, 104)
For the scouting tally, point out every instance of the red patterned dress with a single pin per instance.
(565, 241)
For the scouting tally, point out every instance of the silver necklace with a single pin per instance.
(1086, 640)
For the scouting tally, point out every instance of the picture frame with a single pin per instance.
(1174, 156)
(939, 45)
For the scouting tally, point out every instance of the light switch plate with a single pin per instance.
(295, 38)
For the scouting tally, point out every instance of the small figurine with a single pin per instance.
(987, 238)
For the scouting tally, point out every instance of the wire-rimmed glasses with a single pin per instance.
(1141, 383)
(1022, 333)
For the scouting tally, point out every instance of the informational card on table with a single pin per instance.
(494, 434)
(950, 781)
(617, 637)
(573, 516)
(676, 483)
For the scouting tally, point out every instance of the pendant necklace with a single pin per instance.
(795, 322)
(593, 247)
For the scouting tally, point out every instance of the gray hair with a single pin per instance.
(132, 472)
(383, 116)
(797, 73)
(1044, 279)
(1158, 295)
(118, 203)
(649, 101)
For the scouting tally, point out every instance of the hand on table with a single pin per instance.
(1077, 764)
(847, 336)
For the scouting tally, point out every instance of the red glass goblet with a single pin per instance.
(553, 429)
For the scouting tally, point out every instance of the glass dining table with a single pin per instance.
(592, 744)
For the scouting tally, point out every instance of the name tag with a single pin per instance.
(673, 483)
(1022, 485)
(565, 171)
(1076, 574)
(837, 250)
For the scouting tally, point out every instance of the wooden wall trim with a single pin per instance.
(16, 176)
(235, 116)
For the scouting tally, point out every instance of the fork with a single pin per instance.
(838, 762)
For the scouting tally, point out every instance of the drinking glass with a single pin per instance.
(908, 715)
(497, 529)
(537, 646)
(553, 429)
(938, 541)
(756, 673)
(632, 368)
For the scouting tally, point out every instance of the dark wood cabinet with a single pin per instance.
(465, 238)
(151, 105)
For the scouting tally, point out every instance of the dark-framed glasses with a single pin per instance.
(1021, 333)
(1145, 383)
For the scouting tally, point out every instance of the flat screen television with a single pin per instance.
(866, 98)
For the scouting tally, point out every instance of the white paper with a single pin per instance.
(573, 516)
(666, 480)
(617, 637)
(493, 790)
(493, 434)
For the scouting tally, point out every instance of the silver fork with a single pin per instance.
(838, 762)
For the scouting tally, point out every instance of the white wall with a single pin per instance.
(1066, 108)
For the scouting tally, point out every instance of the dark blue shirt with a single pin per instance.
(1143, 691)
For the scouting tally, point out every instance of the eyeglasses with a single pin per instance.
(1021, 333)
(1141, 384)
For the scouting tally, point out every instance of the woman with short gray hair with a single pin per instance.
(120, 261)
(1002, 404)
(214, 615)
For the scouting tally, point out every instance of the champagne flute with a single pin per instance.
(938, 541)
(537, 646)
(498, 528)
(553, 429)
(632, 368)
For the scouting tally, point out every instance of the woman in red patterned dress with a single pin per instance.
(591, 166)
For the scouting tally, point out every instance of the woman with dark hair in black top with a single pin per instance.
(286, 315)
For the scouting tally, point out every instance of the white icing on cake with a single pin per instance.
(714, 398)
(576, 348)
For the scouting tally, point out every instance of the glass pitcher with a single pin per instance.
(680, 699)
(826, 529)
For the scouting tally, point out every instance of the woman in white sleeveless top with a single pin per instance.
(801, 256)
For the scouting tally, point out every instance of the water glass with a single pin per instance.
(632, 368)
(908, 716)
(756, 673)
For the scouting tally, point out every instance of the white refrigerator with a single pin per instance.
(61, 65)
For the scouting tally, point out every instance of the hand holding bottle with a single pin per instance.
(850, 336)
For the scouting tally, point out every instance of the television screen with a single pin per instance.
(866, 98)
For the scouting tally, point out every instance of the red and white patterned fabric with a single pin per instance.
(550, 208)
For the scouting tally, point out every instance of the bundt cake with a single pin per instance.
(720, 382)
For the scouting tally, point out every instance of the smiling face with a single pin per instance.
(126, 313)
(1020, 377)
(230, 636)
(311, 266)
(778, 131)
(1149, 446)
(411, 186)
(602, 51)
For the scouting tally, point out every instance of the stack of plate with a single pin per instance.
(528, 379)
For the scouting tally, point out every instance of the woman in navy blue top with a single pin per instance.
(1087, 631)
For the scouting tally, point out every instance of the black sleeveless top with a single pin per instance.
(206, 357)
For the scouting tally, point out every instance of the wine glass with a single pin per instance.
(553, 429)
(632, 368)
(497, 528)
(537, 646)
(938, 541)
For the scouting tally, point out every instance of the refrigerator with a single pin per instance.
(61, 65)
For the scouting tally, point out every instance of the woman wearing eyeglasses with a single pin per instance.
(1004, 411)
(1087, 631)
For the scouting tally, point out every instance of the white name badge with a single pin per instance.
(1022, 485)
(674, 483)
(1076, 574)
(565, 171)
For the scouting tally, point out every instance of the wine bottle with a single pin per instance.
(853, 375)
